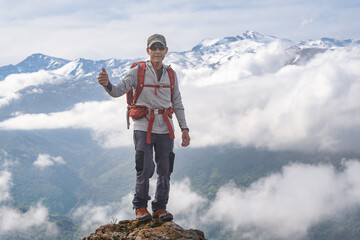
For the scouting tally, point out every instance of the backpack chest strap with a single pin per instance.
(157, 86)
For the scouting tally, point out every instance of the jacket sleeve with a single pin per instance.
(125, 85)
(178, 106)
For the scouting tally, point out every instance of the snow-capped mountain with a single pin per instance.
(207, 52)
(75, 80)
(38, 74)
(328, 43)
(33, 63)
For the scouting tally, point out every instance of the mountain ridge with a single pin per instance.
(39, 61)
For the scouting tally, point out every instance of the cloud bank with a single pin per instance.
(101, 117)
(183, 202)
(5, 184)
(91, 216)
(310, 107)
(11, 86)
(283, 205)
(253, 99)
(36, 217)
(13, 220)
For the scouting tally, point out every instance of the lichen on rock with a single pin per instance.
(153, 229)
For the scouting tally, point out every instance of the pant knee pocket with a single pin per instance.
(171, 161)
(139, 161)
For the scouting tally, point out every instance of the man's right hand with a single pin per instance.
(103, 78)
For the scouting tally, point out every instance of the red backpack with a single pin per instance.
(136, 112)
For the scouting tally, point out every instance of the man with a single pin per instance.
(155, 130)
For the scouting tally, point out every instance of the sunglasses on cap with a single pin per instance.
(156, 46)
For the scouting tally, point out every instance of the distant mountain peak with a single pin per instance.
(33, 63)
(248, 35)
(42, 58)
(252, 35)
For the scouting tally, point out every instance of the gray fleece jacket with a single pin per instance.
(148, 98)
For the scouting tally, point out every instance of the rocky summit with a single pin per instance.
(154, 229)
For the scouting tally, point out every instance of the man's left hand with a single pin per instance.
(185, 138)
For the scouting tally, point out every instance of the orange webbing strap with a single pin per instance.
(132, 97)
(168, 124)
(164, 113)
(158, 86)
(140, 81)
(150, 125)
(172, 81)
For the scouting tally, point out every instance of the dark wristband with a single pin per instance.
(109, 86)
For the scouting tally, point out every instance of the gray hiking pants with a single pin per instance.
(145, 167)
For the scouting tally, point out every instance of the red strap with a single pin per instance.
(140, 81)
(168, 124)
(172, 81)
(132, 97)
(157, 86)
(164, 113)
(150, 125)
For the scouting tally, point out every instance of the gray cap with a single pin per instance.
(156, 38)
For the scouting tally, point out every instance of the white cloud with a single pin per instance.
(287, 204)
(5, 185)
(311, 107)
(105, 118)
(45, 160)
(12, 84)
(6, 162)
(184, 203)
(12, 220)
(269, 58)
(91, 216)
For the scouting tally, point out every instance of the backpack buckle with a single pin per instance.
(160, 86)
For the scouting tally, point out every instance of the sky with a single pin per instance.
(119, 29)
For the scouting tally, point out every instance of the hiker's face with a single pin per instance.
(157, 52)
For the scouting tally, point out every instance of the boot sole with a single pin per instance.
(144, 217)
(166, 217)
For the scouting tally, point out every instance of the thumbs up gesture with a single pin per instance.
(103, 78)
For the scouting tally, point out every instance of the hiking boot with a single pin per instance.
(163, 215)
(142, 214)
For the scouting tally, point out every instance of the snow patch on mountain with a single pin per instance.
(33, 63)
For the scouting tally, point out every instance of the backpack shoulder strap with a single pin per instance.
(131, 96)
(140, 81)
(172, 81)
